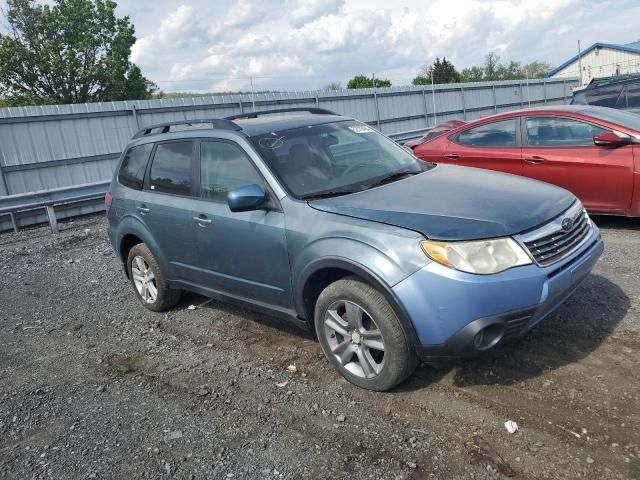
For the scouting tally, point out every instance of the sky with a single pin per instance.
(220, 45)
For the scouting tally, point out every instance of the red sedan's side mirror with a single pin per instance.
(610, 139)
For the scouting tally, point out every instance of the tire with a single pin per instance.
(352, 339)
(157, 296)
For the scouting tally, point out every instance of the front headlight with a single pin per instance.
(479, 256)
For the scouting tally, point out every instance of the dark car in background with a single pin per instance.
(322, 220)
(620, 92)
(593, 152)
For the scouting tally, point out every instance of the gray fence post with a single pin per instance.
(53, 221)
(317, 101)
(544, 89)
(521, 96)
(495, 101)
(375, 99)
(464, 104)
(241, 106)
(135, 116)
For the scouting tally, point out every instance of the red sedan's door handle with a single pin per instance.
(452, 156)
(535, 159)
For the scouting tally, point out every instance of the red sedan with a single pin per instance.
(592, 151)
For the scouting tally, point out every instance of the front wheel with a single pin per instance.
(361, 335)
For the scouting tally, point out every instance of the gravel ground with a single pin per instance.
(94, 386)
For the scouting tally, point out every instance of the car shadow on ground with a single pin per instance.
(570, 334)
(617, 223)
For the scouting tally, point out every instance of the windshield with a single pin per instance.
(334, 158)
(619, 117)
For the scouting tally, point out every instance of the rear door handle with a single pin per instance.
(202, 220)
(535, 159)
(452, 156)
(144, 209)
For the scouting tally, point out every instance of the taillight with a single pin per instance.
(108, 198)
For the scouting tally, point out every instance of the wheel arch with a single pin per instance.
(321, 273)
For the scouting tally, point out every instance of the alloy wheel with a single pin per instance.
(354, 339)
(144, 279)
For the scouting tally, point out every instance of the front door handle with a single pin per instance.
(143, 209)
(452, 156)
(202, 220)
(535, 159)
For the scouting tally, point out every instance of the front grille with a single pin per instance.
(559, 243)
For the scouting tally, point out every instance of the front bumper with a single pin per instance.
(449, 309)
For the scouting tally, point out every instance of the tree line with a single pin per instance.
(443, 71)
(77, 51)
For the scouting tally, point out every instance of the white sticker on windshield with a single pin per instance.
(361, 129)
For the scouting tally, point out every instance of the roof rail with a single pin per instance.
(311, 110)
(219, 123)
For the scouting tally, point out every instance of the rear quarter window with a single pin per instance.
(133, 166)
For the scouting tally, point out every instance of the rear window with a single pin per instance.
(133, 166)
(172, 169)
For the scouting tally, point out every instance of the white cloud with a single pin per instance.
(302, 44)
(303, 11)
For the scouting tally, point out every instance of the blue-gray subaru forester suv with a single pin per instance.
(325, 221)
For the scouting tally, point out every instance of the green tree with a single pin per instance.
(535, 69)
(362, 81)
(443, 72)
(472, 74)
(333, 86)
(73, 51)
(491, 66)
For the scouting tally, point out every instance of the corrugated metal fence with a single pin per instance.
(62, 145)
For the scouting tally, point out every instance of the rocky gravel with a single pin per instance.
(92, 385)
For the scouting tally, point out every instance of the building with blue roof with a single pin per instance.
(600, 60)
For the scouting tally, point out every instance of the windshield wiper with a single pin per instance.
(391, 178)
(332, 193)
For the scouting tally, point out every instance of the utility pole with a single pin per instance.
(579, 63)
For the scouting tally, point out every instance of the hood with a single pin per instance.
(456, 203)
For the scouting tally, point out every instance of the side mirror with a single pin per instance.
(610, 139)
(247, 198)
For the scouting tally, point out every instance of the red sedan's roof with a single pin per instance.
(572, 110)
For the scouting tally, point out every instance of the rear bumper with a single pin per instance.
(458, 314)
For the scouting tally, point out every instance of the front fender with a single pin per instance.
(362, 271)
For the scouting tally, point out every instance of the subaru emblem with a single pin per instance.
(567, 224)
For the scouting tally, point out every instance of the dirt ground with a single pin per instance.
(94, 386)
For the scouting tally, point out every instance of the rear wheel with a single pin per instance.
(149, 284)
(361, 335)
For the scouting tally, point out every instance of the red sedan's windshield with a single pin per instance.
(619, 117)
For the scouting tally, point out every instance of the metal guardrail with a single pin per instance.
(402, 137)
(48, 199)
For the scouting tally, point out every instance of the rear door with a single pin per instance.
(165, 205)
(492, 145)
(560, 150)
(239, 253)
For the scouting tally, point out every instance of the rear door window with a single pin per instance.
(494, 134)
(172, 169)
(560, 132)
(133, 166)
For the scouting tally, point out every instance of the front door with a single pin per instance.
(561, 151)
(243, 254)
